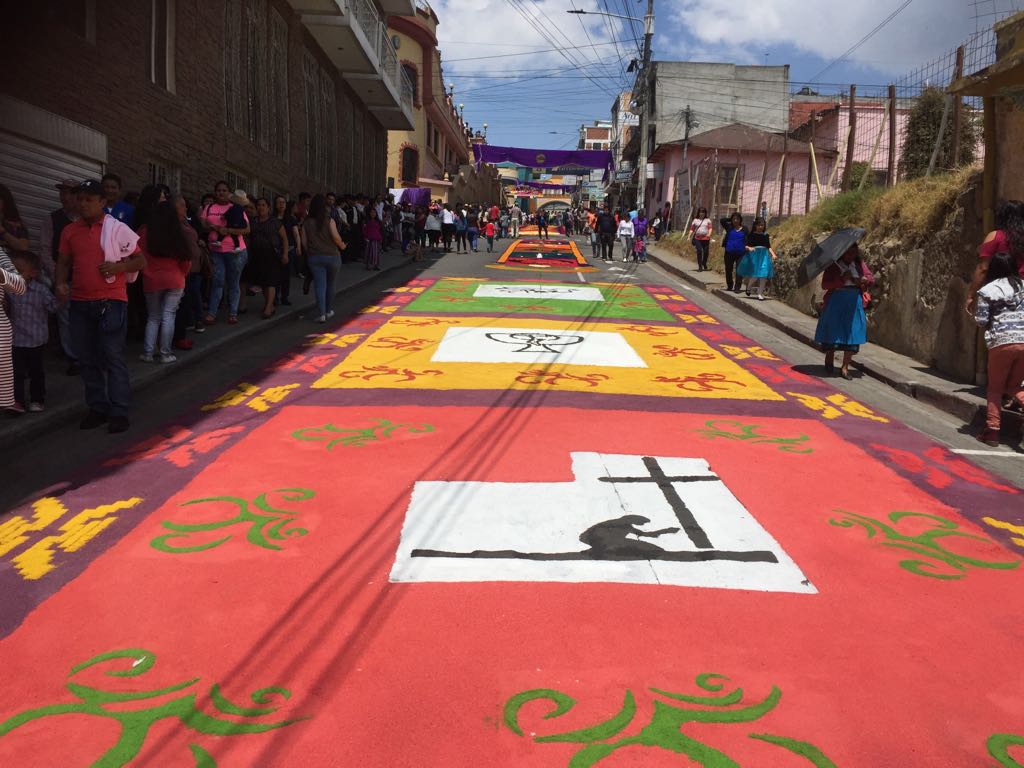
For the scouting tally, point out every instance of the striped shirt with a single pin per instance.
(30, 315)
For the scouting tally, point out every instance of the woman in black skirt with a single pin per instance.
(267, 254)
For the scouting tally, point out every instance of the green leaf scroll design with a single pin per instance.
(999, 748)
(930, 558)
(267, 523)
(351, 437)
(730, 429)
(713, 704)
(137, 722)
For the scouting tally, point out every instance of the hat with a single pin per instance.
(66, 184)
(90, 187)
(239, 197)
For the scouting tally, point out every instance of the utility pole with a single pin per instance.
(688, 118)
(644, 78)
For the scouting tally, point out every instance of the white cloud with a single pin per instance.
(743, 30)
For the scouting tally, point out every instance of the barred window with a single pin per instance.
(311, 94)
(278, 106)
(329, 116)
(234, 108)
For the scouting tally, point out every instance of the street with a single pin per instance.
(513, 512)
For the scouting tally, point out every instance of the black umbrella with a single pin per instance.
(827, 252)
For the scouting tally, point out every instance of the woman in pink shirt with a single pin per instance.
(168, 261)
(373, 234)
(1007, 237)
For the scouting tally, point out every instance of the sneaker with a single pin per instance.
(118, 424)
(146, 357)
(35, 407)
(199, 328)
(760, 298)
(183, 344)
(989, 437)
(321, 319)
(330, 314)
(15, 410)
(92, 420)
(168, 358)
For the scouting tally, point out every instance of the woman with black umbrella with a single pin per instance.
(843, 323)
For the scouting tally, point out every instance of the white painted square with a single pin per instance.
(538, 292)
(531, 346)
(560, 532)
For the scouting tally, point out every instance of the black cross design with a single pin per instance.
(683, 514)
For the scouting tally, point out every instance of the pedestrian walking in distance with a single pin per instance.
(323, 244)
(735, 244)
(625, 233)
(700, 229)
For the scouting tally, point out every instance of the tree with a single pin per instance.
(923, 130)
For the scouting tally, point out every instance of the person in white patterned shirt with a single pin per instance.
(11, 284)
(30, 318)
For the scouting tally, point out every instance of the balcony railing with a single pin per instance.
(368, 19)
(407, 91)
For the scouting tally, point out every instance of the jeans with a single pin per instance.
(607, 245)
(161, 307)
(594, 243)
(515, 227)
(461, 243)
(542, 231)
(701, 246)
(325, 269)
(731, 260)
(1005, 373)
(227, 271)
(474, 234)
(28, 364)
(627, 247)
(64, 331)
(98, 332)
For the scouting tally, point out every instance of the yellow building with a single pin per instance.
(436, 153)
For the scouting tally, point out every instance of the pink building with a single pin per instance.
(735, 167)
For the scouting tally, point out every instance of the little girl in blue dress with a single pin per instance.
(757, 264)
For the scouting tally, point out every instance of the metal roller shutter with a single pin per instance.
(38, 149)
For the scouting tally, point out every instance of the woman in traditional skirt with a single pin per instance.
(758, 264)
(843, 324)
(11, 283)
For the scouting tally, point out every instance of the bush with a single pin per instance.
(923, 129)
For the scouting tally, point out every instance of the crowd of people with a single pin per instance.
(158, 268)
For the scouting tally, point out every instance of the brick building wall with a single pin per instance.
(106, 86)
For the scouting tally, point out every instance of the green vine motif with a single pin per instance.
(999, 748)
(350, 437)
(136, 723)
(267, 523)
(713, 704)
(736, 430)
(931, 558)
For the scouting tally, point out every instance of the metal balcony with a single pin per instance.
(355, 38)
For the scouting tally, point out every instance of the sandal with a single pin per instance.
(232, 320)
(210, 319)
(268, 315)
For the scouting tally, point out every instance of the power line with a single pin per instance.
(868, 36)
(539, 50)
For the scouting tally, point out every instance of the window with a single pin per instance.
(357, 151)
(78, 16)
(256, 70)
(430, 135)
(729, 181)
(161, 173)
(413, 75)
(329, 118)
(410, 165)
(234, 109)
(238, 180)
(311, 96)
(161, 43)
(278, 91)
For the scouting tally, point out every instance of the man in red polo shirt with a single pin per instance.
(98, 251)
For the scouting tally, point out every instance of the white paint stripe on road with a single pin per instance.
(975, 452)
(581, 277)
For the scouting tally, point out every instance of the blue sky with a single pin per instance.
(499, 53)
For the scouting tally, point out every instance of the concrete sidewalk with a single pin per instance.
(909, 376)
(64, 402)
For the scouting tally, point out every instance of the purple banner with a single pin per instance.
(414, 196)
(543, 158)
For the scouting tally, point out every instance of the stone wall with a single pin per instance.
(918, 300)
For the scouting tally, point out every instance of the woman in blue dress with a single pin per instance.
(758, 263)
(843, 324)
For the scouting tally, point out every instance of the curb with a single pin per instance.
(966, 408)
(37, 424)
